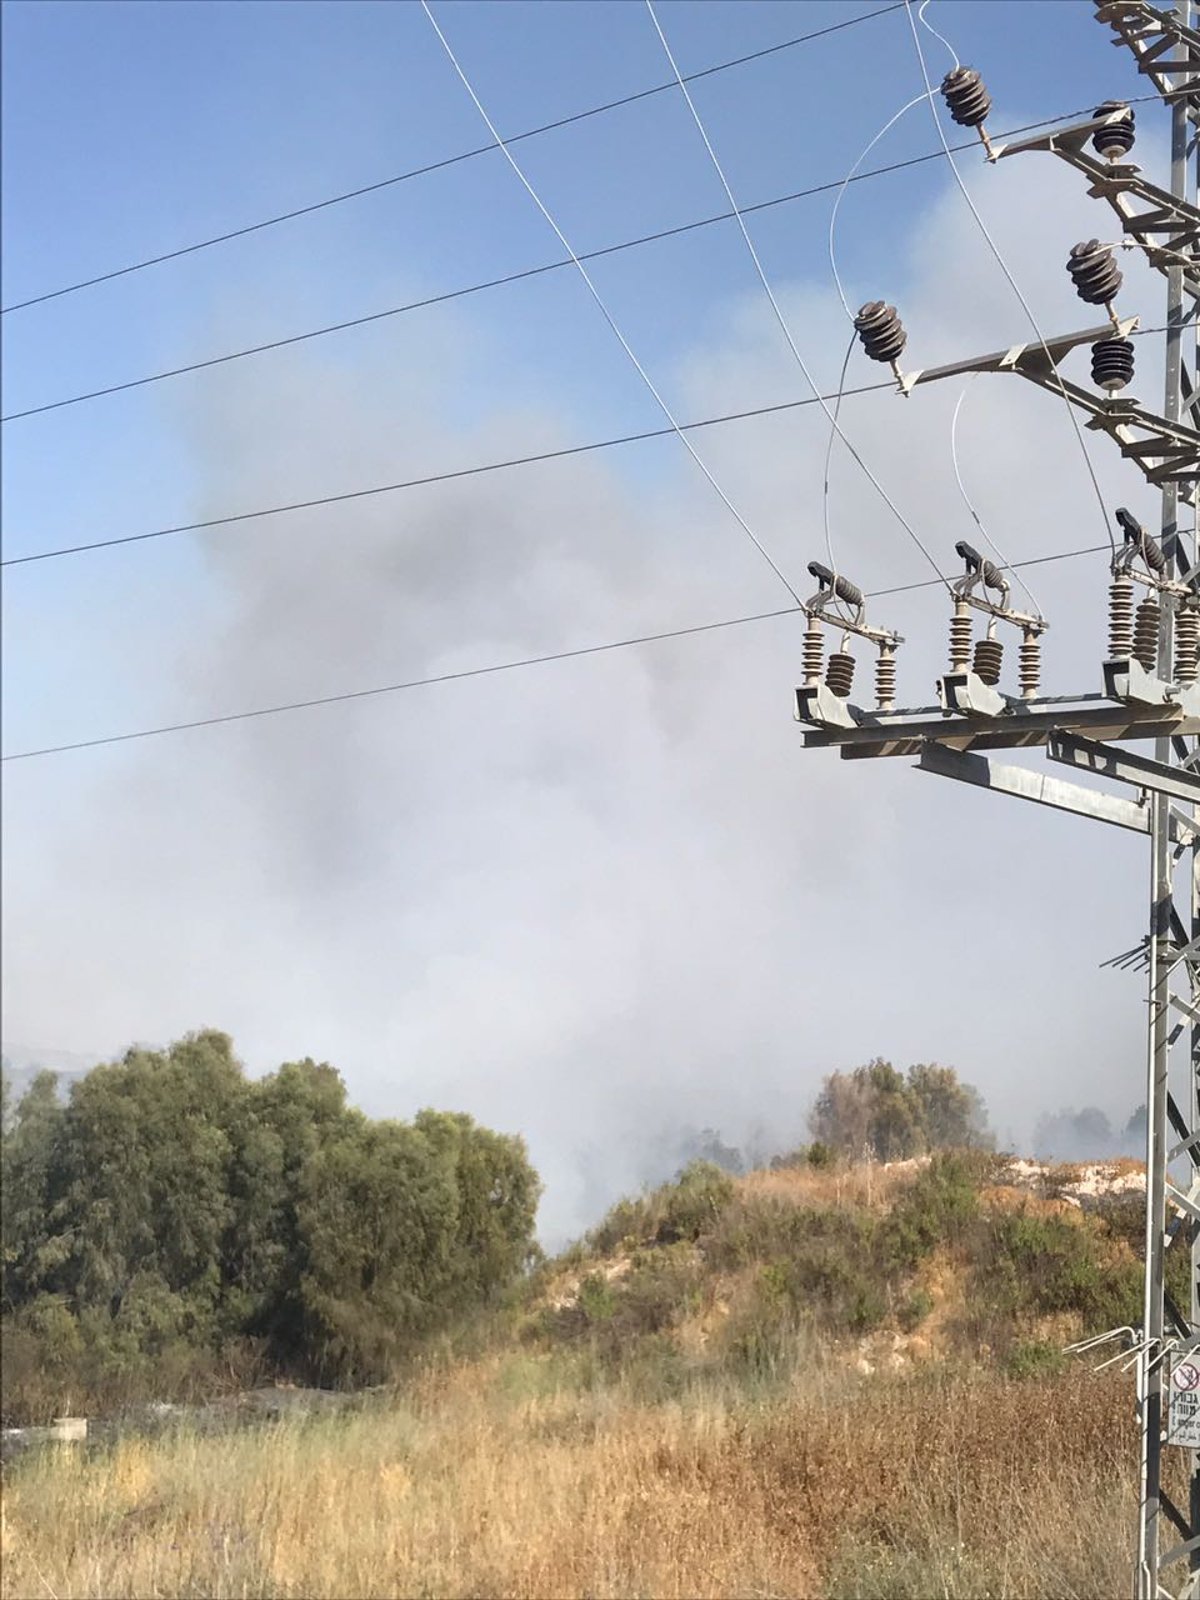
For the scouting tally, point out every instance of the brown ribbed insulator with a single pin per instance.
(839, 674)
(989, 657)
(881, 331)
(964, 93)
(1145, 634)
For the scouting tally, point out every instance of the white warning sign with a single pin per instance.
(1183, 1417)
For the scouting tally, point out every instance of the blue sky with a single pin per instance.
(132, 129)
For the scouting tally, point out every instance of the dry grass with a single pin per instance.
(873, 1185)
(502, 1478)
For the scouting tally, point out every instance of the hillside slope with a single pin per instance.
(814, 1382)
(967, 1256)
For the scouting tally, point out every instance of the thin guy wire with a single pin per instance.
(833, 433)
(607, 314)
(967, 501)
(447, 477)
(1003, 265)
(779, 316)
(516, 277)
(437, 166)
(853, 177)
(493, 668)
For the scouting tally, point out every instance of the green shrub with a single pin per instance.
(628, 1220)
(913, 1310)
(692, 1204)
(1034, 1358)
(1048, 1264)
(763, 1339)
(596, 1299)
(937, 1208)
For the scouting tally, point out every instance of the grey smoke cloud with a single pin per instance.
(595, 900)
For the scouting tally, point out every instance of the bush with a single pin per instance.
(1043, 1265)
(694, 1202)
(627, 1221)
(764, 1338)
(1034, 1358)
(913, 1310)
(936, 1208)
(173, 1210)
(596, 1300)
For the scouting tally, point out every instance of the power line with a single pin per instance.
(489, 670)
(514, 277)
(448, 477)
(602, 307)
(438, 166)
(418, 483)
(998, 254)
(830, 416)
(456, 294)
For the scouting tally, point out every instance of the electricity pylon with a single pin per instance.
(1151, 686)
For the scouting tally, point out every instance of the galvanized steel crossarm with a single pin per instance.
(1126, 189)
(1165, 46)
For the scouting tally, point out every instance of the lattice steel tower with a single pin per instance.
(1151, 684)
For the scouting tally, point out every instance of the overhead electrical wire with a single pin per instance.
(851, 177)
(527, 272)
(929, 27)
(478, 470)
(833, 433)
(485, 671)
(770, 294)
(854, 176)
(607, 314)
(1005, 563)
(1001, 263)
(431, 478)
(438, 166)
(456, 294)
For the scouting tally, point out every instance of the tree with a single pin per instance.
(143, 1183)
(841, 1117)
(1070, 1135)
(868, 1111)
(951, 1112)
(29, 1140)
(497, 1192)
(708, 1145)
(378, 1212)
(290, 1116)
(1133, 1134)
(173, 1210)
(876, 1110)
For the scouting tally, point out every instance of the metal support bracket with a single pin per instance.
(817, 705)
(1165, 449)
(1040, 787)
(905, 733)
(1127, 680)
(1123, 766)
(966, 693)
(1166, 226)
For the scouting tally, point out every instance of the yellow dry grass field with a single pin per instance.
(511, 1477)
